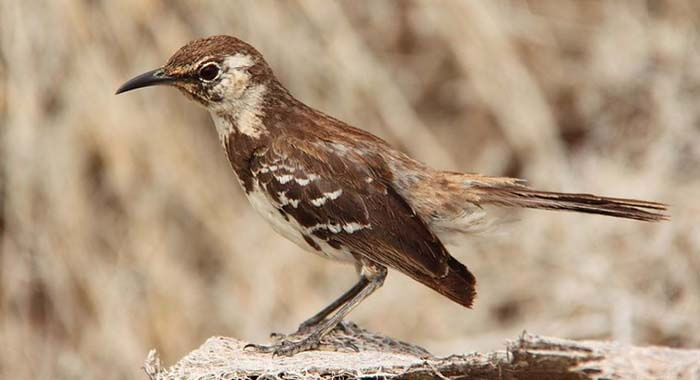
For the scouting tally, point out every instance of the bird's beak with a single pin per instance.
(151, 78)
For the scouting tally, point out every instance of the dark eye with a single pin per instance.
(209, 72)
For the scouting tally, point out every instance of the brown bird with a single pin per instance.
(344, 193)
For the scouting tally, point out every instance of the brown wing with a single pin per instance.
(343, 196)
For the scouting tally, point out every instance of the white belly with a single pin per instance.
(292, 230)
(287, 228)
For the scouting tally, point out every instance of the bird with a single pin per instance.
(344, 193)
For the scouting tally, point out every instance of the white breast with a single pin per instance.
(292, 230)
(261, 203)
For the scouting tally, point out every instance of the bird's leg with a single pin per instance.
(371, 278)
(321, 315)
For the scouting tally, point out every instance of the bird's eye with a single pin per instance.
(209, 72)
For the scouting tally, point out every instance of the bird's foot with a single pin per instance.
(287, 347)
(306, 328)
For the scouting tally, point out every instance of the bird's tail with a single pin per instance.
(457, 283)
(515, 195)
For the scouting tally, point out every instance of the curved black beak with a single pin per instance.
(151, 78)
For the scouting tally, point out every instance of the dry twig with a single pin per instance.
(528, 357)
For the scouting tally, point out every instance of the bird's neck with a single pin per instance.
(246, 115)
(242, 115)
(248, 123)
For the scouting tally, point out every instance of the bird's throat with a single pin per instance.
(243, 115)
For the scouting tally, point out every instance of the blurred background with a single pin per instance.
(122, 228)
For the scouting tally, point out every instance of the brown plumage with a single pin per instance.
(344, 193)
(520, 196)
(398, 238)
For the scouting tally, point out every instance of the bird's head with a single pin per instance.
(215, 71)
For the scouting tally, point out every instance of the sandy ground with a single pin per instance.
(122, 228)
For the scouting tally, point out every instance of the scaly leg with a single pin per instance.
(371, 278)
(321, 315)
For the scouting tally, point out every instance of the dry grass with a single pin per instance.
(121, 228)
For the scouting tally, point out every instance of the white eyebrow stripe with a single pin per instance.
(238, 60)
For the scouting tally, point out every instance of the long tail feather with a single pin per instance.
(520, 196)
